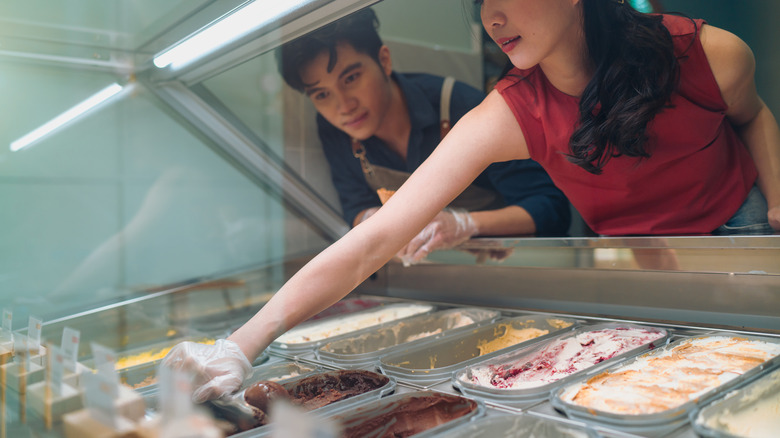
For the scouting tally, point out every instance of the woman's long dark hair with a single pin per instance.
(636, 72)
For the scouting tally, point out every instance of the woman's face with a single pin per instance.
(530, 31)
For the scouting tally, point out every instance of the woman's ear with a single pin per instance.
(385, 61)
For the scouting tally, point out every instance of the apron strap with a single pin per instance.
(444, 106)
(359, 152)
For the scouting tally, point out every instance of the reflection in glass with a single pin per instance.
(132, 197)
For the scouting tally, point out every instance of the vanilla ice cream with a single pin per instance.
(330, 327)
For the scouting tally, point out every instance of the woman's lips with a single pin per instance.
(507, 44)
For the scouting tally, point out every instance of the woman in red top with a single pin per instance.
(644, 121)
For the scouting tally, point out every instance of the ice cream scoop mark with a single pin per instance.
(388, 425)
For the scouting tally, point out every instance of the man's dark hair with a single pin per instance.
(358, 30)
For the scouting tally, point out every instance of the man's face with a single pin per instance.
(355, 95)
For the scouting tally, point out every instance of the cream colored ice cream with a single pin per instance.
(511, 336)
(756, 414)
(668, 378)
(349, 323)
(761, 420)
(462, 321)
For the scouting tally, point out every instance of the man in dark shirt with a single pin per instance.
(346, 71)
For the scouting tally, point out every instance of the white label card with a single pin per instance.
(103, 356)
(34, 333)
(8, 319)
(105, 363)
(57, 371)
(70, 348)
(99, 396)
(175, 393)
(21, 351)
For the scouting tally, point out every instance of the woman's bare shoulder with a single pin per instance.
(492, 123)
(730, 58)
(733, 65)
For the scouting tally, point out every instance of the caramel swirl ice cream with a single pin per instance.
(667, 378)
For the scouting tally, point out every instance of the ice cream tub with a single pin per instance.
(420, 414)
(528, 375)
(347, 306)
(362, 349)
(750, 411)
(307, 337)
(144, 374)
(519, 426)
(655, 392)
(137, 367)
(434, 361)
(283, 371)
(321, 393)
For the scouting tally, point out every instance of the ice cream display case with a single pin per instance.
(181, 206)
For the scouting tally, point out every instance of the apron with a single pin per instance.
(386, 181)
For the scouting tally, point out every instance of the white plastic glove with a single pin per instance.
(449, 228)
(218, 370)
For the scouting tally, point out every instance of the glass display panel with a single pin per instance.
(135, 195)
(126, 198)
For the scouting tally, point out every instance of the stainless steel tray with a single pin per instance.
(144, 375)
(283, 371)
(339, 326)
(535, 392)
(519, 426)
(362, 349)
(664, 421)
(752, 410)
(391, 410)
(434, 361)
(349, 305)
(247, 418)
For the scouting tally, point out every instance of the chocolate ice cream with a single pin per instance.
(408, 415)
(314, 391)
(261, 394)
(323, 389)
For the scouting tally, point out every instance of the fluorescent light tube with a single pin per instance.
(236, 25)
(68, 116)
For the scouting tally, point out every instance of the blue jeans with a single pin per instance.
(750, 218)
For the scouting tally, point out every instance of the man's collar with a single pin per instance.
(421, 113)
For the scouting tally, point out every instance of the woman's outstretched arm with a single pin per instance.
(487, 134)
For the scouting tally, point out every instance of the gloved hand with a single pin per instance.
(449, 228)
(218, 369)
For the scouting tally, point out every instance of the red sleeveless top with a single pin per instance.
(699, 172)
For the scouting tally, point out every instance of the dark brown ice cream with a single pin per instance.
(323, 389)
(261, 394)
(409, 416)
(314, 391)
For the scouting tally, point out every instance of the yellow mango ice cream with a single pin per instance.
(150, 356)
(511, 336)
